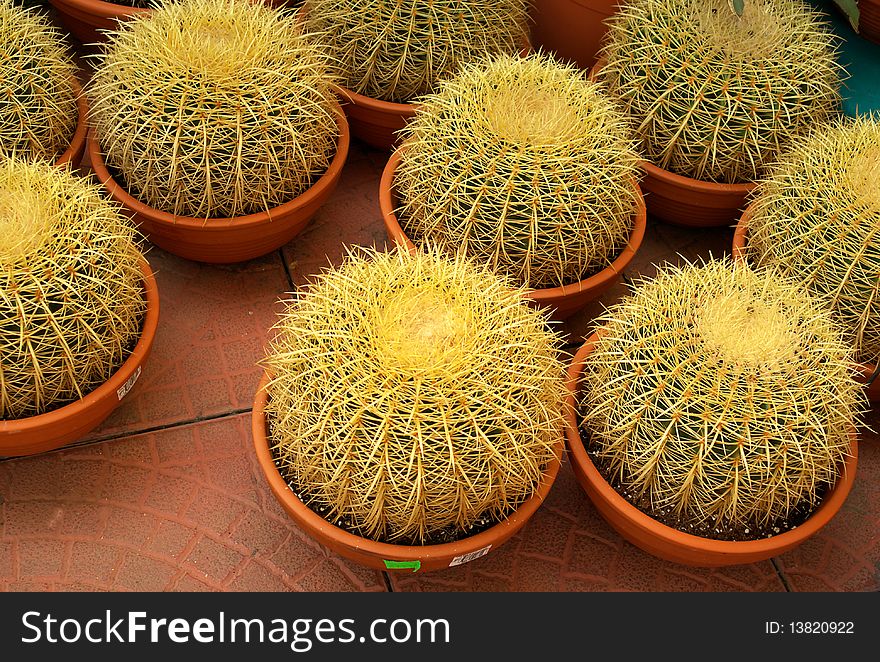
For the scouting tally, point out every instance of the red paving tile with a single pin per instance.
(141, 523)
(214, 323)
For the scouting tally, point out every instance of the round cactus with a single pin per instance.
(38, 113)
(816, 217)
(71, 288)
(712, 95)
(214, 108)
(397, 50)
(413, 396)
(721, 398)
(524, 165)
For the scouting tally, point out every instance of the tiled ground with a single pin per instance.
(167, 495)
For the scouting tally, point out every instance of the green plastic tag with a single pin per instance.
(401, 565)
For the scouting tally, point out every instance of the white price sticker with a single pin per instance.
(467, 558)
(123, 390)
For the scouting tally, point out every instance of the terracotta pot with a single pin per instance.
(572, 29)
(869, 20)
(671, 544)
(74, 153)
(227, 240)
(387, 556)
(373, 121)
(562, 301)
(86, 19)
(868, 373)
(45, 432)
(684, 201)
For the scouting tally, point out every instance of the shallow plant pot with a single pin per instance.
(86, 19)
(689, 202)
(671, 544)
(388, 556)
(373, 121)
(73, 155)
(867, 372)
(227, 240)
(53, 429)
(561, 301)
(572, 29)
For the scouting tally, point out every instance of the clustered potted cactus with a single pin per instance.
(390, 53)
(220, 158)
(78, 304)
(413, 410)
(816, 218)
(43, 113)
(411, 413)
(524, 165)
(716, 414)
(714, 96)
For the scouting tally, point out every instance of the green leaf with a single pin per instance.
(851, 9)
(738, 6)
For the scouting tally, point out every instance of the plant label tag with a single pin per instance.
(123, 390)
(467, 558)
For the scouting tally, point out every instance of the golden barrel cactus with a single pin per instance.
(413, 398)
(721, 399)
(715, 96)
(816, 218)
(38, 111)
(396, 50)
(214, 108)
(71, 288)
(524, 165)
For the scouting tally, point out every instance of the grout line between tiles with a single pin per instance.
(781, 575)
(133, 433)
(286, 271)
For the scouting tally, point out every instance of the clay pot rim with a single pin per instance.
(541, 295)
(309, 519)
(376, 105)
(680, 181)
(738, 251)
(74, 152)
(221, 224)
(74, 409)
(670, 536)
(102, 8)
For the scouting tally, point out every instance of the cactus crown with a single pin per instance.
(720, 396)
(413, 396)
(38, 114)
(713, 95)
(816, 217)
(522, 164)
(71, 295)
(214, 108)
(397, 50)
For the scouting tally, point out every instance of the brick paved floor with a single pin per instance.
(167, 495)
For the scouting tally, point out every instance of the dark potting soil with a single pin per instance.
(711, 530)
